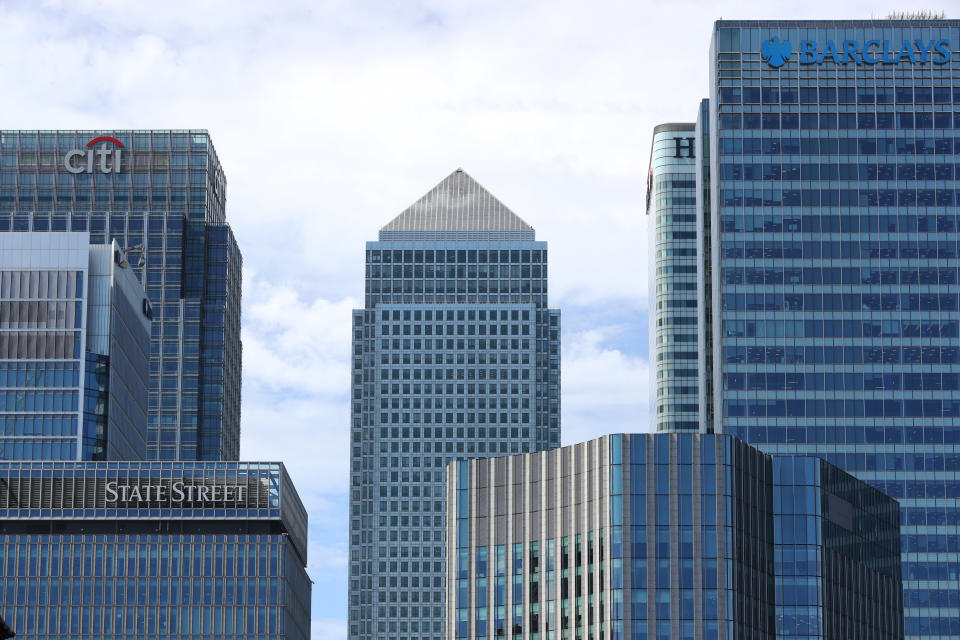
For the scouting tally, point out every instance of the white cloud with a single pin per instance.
(604, 390)
(328, 628)
(296, 376)
(324, 557)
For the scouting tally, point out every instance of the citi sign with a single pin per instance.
(776, 52)
(106, 158)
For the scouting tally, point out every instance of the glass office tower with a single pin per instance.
(74, 350)
(668, 537)
(834, 220)
(152, 550)
(455, 355)
(161, 193)
(671, 198)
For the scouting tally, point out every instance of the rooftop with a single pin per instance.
(457, 204)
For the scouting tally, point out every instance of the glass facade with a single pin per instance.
(834, 225)
(74, 350)
(171, 550)
(162, 192)
(454, 355)
(668, 537)
(671, 199)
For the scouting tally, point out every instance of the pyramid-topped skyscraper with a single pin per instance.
(455, 355)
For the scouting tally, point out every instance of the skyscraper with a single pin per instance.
(74, 350)
(177, 550)
(161, 192)
(455, 355)
(671, 199)
(673, 537)
(832, 262)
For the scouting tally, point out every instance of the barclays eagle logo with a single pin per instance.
(774, 52)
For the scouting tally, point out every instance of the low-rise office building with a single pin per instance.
(153, 550)
(668, 536)
(74, 350)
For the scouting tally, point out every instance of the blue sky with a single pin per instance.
(330, 117)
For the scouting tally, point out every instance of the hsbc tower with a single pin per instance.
(161, 195)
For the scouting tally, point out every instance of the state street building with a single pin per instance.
(152, 550)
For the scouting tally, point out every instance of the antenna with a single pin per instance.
(921, 14)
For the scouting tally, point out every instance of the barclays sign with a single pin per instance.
(776, 52)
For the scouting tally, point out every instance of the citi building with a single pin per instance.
(160, 195)
(829, 308)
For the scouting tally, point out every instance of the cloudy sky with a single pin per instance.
(330, 117)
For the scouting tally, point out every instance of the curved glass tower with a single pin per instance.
(671, 199)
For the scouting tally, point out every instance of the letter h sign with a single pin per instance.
(684, 144)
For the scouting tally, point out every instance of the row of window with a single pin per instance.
(820, 120)
(849, 408)
(440, 345)
(819, 354)
(41, 284)
(902, 246)
(81, 622)
(39, 374)
(45, 425)
(455, 271)
(773, 171)
(852, 433)
(450, 330)
(813, 302)
(457, 418)
(198, 177)
(833, 222)
(460, 297)
(919, 488)
(839, 95)
(155, 140)
(430, 256)
(40, 314)
(836, 146)
(858, 276)
(832, 197)
(875, 381)
(103, 196)
(889, 354)
(38, 449)
(461, 403)
(430, 286)
(449, 358)
(444, 432)
(58, 401)
(110, 591)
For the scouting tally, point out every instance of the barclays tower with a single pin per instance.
(829, 266)
(161, 196)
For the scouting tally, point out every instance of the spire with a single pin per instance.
(457, 208)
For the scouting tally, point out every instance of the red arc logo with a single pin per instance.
(104, 139)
